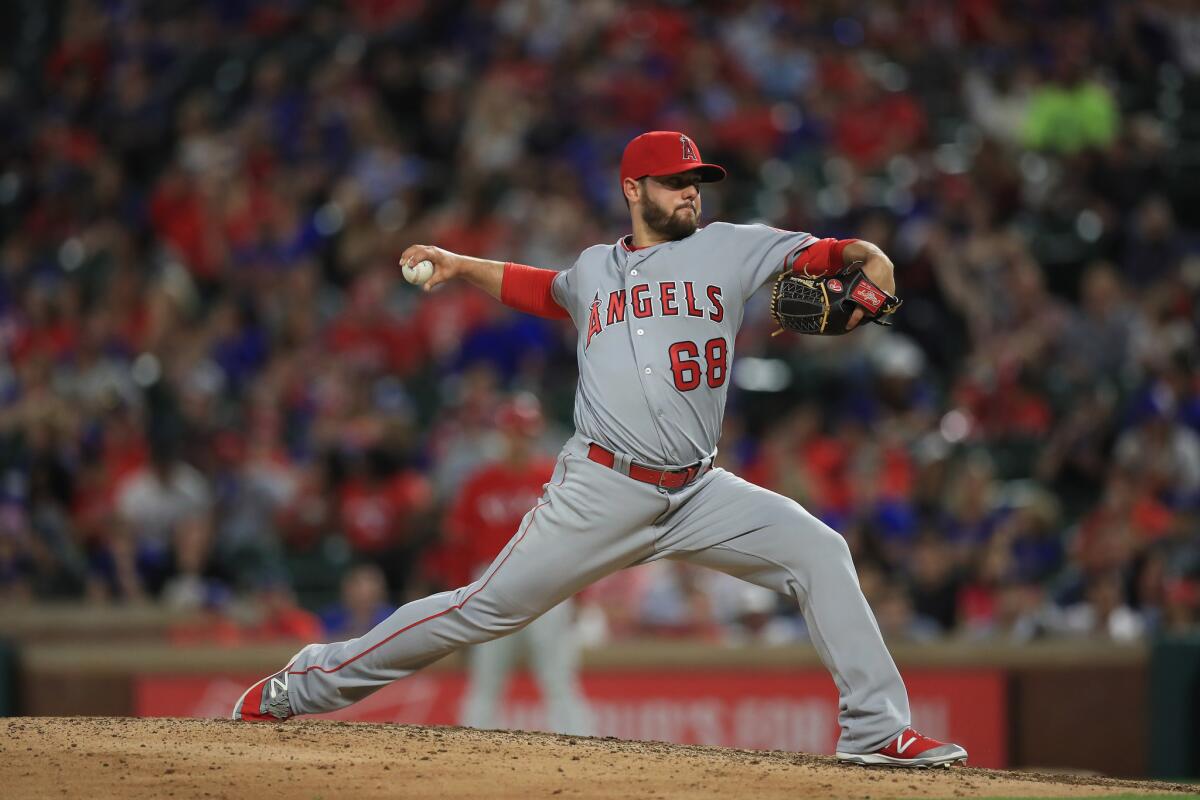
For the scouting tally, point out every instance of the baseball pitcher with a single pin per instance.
(657, 313)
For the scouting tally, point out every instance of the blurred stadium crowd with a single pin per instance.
(214, 389)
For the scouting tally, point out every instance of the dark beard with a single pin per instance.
(665, 223)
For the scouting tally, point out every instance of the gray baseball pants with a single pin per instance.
(551, 645)
(592, 521)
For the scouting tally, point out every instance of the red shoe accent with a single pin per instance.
(247, 708)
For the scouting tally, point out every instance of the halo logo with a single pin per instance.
(689, 152)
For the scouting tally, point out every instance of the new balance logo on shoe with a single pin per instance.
(279, 684)
(902, 745)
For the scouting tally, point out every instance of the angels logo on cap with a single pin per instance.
(689, 151)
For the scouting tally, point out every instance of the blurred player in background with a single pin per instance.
(482, 517)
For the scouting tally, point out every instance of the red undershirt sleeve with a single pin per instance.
(823, 257)
(528, 289)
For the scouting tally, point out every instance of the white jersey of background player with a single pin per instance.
(657, 313)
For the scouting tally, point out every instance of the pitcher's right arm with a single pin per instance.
(522, 287)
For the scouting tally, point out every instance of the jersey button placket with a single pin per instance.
(636, 259)
(639, 342)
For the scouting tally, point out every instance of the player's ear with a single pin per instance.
(632, 189)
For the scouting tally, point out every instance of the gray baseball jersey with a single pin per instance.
(656, 332)
(657, 327)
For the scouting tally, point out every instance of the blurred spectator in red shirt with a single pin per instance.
(368, 335)
(384, 513)
(280, 618)
(870, 146)
(182, 215)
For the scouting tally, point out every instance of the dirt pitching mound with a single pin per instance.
(157, 758)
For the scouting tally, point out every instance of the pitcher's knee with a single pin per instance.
(834, 544)
(487, 616)
(829, 550)
(813, 546)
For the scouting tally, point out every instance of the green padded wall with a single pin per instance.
(1175, 707)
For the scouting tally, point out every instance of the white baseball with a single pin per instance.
(419, 272)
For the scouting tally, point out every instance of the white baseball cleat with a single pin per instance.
(910, 749)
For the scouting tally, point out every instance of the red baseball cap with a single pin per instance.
(659, 153)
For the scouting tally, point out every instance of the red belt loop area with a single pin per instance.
(663, 479)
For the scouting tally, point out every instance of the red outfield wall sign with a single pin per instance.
(794, 711)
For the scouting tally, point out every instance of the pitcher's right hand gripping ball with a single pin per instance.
(419, 273)
(823, 306)
(427, 266)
